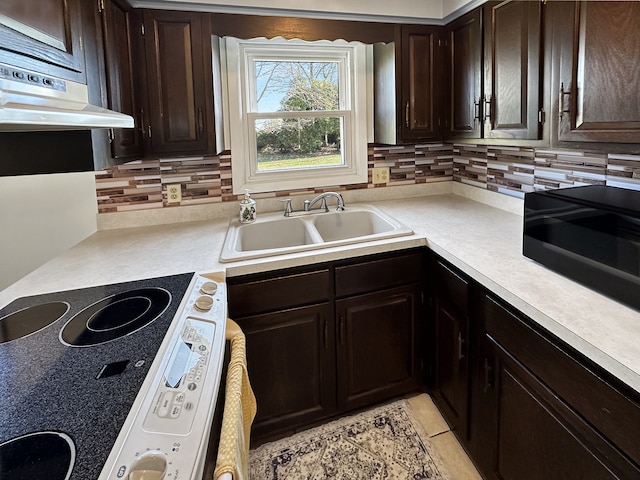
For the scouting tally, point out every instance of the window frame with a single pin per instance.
(354, 107)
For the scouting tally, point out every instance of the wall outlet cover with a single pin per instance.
(380, 175)
(174, 193)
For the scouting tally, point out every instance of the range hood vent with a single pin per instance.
(34, 102)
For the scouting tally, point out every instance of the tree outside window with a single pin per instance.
(290, 142)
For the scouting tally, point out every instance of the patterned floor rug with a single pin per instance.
(382, 443)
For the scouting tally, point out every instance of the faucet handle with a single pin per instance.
(287, 207)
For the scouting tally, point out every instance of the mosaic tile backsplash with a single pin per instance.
(512, 171)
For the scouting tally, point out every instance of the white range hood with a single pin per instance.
(34, 102)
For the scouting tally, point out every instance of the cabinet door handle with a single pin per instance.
(476, 105)
(200, 122)
(341, 330)
(489, 110)
(406, 114)
(460, 346)
(561, 109)
(487, 375)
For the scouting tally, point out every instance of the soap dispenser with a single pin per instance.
(247, 208)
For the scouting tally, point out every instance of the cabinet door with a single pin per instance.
(464, 59)
(524, 429)
(178, 51)
(449, 341)
(599, 82)
(513, 69)
(291, 364)
(452, 332)
(43, 35)
(121, 71)
(419, 107)
(529, 434)
(376, 345)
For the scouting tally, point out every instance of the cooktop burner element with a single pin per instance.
(38, 456)
(30, 320)
(115, 316)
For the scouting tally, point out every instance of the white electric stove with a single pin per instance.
(112, 382)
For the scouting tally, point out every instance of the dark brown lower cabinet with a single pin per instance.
(376, 347)
(326, 339)
(448, 341)
(523, 403)
(538, 414)
(451, 373)
(291, 360)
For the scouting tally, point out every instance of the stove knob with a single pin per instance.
(150, 466)
(209, 288)
(204, 303)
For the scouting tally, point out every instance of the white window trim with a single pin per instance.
(356, 135)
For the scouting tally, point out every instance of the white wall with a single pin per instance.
(41, 216)
(405, 11)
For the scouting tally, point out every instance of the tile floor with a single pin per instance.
(447, 446)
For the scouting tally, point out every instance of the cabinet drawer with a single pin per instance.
(611, 407)
(449, 284)
(270, 294)
(378, 274)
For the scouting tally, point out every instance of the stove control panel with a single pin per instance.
(167, 430)
(178, 394)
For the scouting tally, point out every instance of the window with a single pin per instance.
(297, 113)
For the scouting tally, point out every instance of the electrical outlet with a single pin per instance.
(380, 175)
(174, 193)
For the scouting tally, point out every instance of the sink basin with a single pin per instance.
(351, 224)
(274, 234)
(267, 235)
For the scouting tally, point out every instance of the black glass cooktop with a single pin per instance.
(72, 364)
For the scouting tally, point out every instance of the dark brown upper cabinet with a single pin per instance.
(495, 72)
(179, 86)
(513, 70)
(121, 73)
(419, 110)
(407, 86)
(464, 62)
(598, 84)
(43, 35)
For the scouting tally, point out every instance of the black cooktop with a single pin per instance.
(72, 364)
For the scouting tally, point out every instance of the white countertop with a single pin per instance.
(483, 241)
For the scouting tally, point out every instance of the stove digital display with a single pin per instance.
(182, 362)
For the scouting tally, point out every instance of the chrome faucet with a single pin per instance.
(308, 204)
